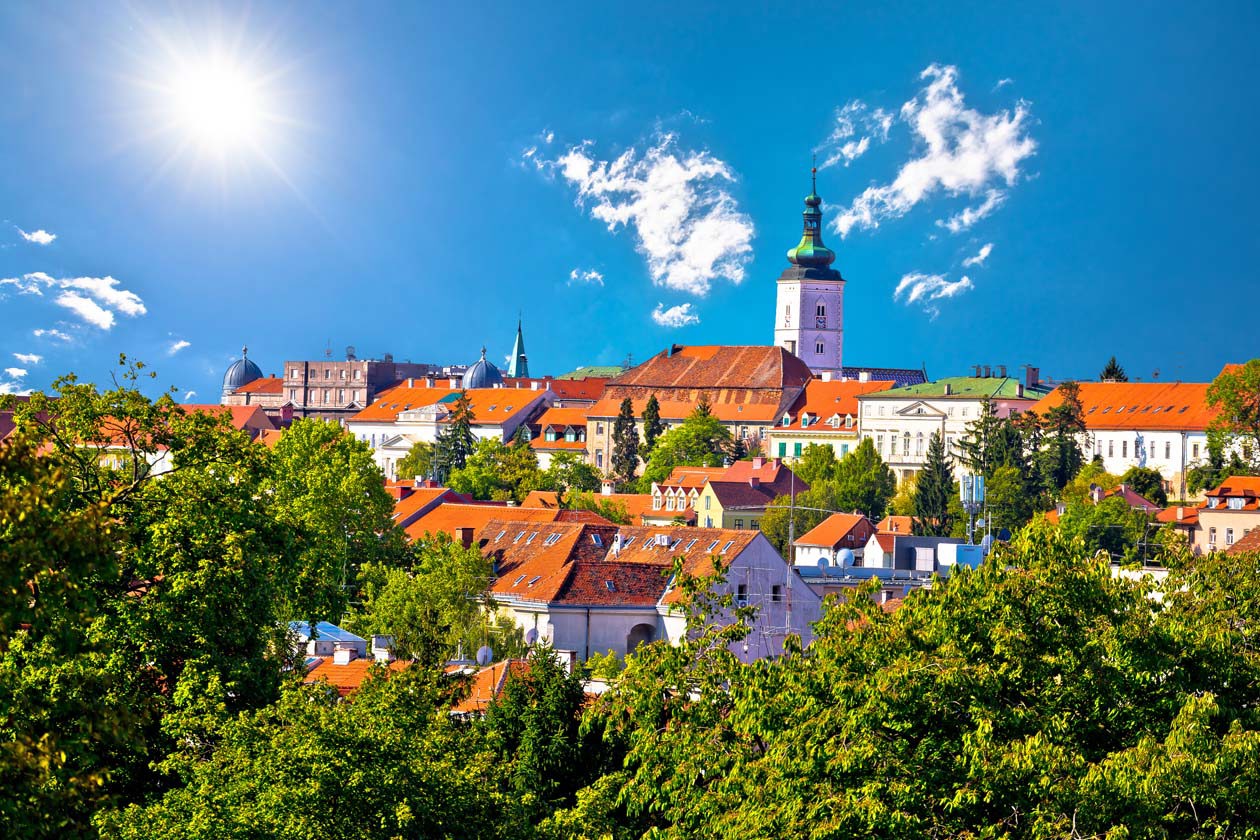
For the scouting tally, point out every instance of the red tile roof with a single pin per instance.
(692, 478)
(393, 401)
(347, 678)
(1247, 486)
(562, 418)
(717, 366)
(613, 583)
(265, 385)
(894, 524)
(730, 410)
(419, 500)
(487, 684)
(821, 400)
(1175, 406)
(832, 530)
(446, 518)
(586, 389)
(1250, 542)
(1179, 515)
(241, 416)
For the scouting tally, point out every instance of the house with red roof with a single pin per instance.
(826, 414)
(837, 533)
(559, 430)
(486, 685)
(738, 498)
(1230, 512)
(589, 588)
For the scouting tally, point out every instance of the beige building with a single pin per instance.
(1230, 512)
(826, 414)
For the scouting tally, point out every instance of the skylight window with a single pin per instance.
(727, 547)
(534, 580)
(595, 538)
(675, 543)
(501, 534)
(626, 542)
(530, 539)
(517, 582)
(612, 587)
(688, 546)
(518, 538)
(713, 545)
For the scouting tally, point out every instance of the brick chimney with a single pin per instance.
(758, 462)
(754, 481)
(1032, 376)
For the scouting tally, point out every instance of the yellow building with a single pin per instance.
(739, 498)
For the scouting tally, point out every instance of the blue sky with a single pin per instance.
(412, 177)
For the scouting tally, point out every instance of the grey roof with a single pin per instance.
(483, 374)
(324, 630)
(241, 372)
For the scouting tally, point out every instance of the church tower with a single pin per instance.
(809, 313)
(518, 366)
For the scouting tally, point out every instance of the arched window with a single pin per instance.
(918, 444)
(905, 444)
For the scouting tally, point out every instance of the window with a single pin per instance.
(626, 542)
(776, 593)
(741, 595)
(534, 580)
(1196, 450)
(818, 348)
(293, 394)
(755, 525)
(341, 395)
(599, 428)
(1235, 503)
(728, 545)
(550, 435)
(327, 395)
(293, 373)
(844, 449)
(879, 443)
(599, 459)
(501, 533)
(951, 411)
(656, 502)
(796, 449)
(1124, 449)
(821, 310)
(341, 374)
(1211, 537)
(518, 538)
(597, 539)
(1167, 450)
(517, 582)
(327, 373)
(1111, 448)
(905, 444)
(570, 435)
(669, 503)
(688, 546)
(708, 500)
(357, 374)
(918, 444)
(530, 538)
(964, 411)
(787, 315)
(1229, 536)
(782, 449)
(739, 524)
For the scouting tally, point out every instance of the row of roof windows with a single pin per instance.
(552, 539)
(1145, 409)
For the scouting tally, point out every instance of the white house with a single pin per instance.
(592, 588)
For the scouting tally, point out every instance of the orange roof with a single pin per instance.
(822, 400)
(1250, 541)
(692, 478)
(896, 525)
(487, 684)
(728, 411)
(270, 437)
(393, 401)
(832, 530)
(1237, 485)
(265, 385)
(495, 405)
(718, 366)
(1176, 406)
(562, 418)
(1179, 515)
(447, 517)
(406, 510)
(347, 678)
(637, 505)
(242, 416)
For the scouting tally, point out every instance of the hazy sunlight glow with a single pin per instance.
(219, 106)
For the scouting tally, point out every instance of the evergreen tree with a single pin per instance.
(1061, 456)
(455, 442)
(652, 425)
(932, 493)
(976, 447)
(625, 456)
(1113, 372)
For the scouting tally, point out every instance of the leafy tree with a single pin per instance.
(1061, 456)
(1148, 482)
(784, 520)
(327, 491)
(699, 441)
(1235, 394)
(390, 764)
(569, 472)
(498, 471)
(433, 605)
(816, 464)
(865, 483)
(1218, 467)
(902, 503)
(1112, 372)
(652, 425)
(456, 442)
(1007, 503)
(934, 488)
(610, 509)
(1109, 525)
(419, 462)
(625, 437)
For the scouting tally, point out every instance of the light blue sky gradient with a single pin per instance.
(394, 210)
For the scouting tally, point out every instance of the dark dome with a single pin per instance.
(241, 372)
(482, 374)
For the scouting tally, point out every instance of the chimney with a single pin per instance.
(1032, 376)
(383, 648)
(826, 376)
(976, 368)
(1181, 513)
(987, 372)
(1001, 371)
(429, 382)
(864, 376)
(758, 462)
(754, 481)
(533, 386)
(344, 654)
(616, 544)
(411, 383)
(948, 389)
(464, 536)
(454, 382)
(605, 488)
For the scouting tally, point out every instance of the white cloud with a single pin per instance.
(57, 334)
(961, 152)
(856, 126)
(926, 288)
(549, 136)
(980, 257)
(968, 216)
(87, 309)
(15, 372)
(28, 358)
(687, 226)
(589, 275)
(176, 346)
(13, 388)
(39, 237)
(676, 316)
(29, 284)
(106, 291)
(188, 395)
(1003, 83)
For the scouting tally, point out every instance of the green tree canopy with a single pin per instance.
(1235, 394)
(569, 472)
(1112, 372)
(1063, 429)
(699, 441)
(652, 425)
(419, 462)
(1148, 482)
(625, 438)
(456, 441)
(498, 471)
(933, 491)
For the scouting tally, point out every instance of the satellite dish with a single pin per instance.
(822, 565)
(531, 635)
(484, 655)
(844, 558)
(987, 542)
(980, 523)
(1004, 535)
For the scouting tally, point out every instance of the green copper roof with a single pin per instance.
(968, 387)
(518, 366)
(811, 252)
(595, 371)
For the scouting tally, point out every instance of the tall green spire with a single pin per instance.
(811, 252)
(518, 367)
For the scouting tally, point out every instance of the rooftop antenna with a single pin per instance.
(328, 348)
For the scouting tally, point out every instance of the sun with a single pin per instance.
(218, 106)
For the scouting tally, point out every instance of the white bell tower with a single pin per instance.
(809, 313)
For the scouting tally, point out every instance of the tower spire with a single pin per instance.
(519, 365)
(811, 252)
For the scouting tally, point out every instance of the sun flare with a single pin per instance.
(218, 106)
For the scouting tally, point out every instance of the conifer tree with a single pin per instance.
(1113, 372)
(456, 442)
(1061, 454)
(652, 425)
(625, 456)
(933, 491)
